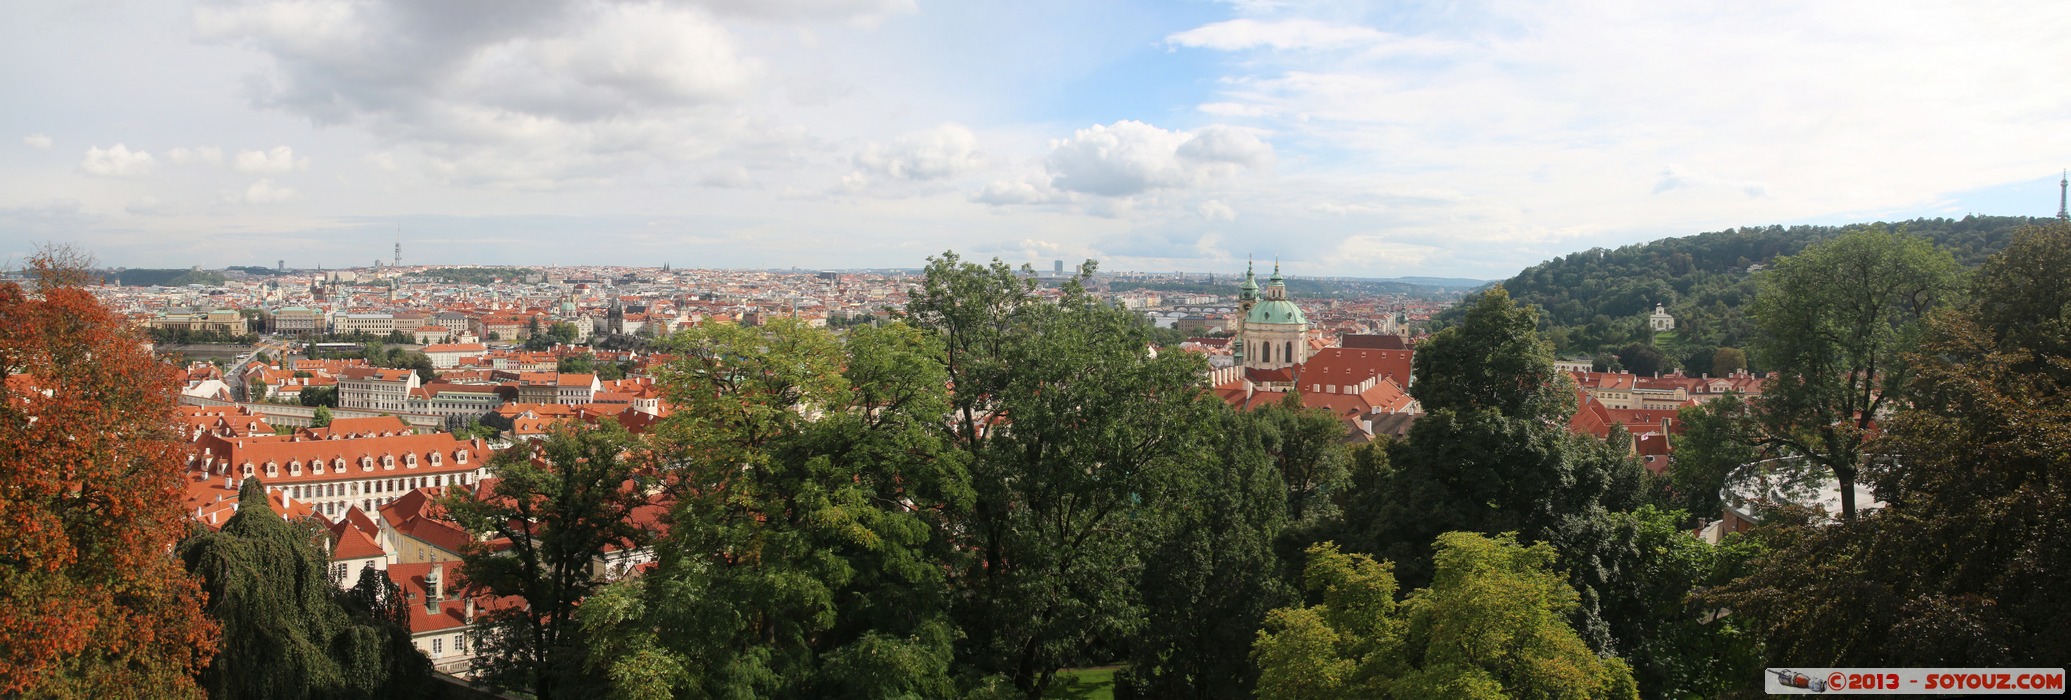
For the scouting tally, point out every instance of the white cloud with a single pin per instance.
(810, 10)
(537, 95)
(1240, 34)
(199, 155)
(116, 161)
(151, 206)
(1539, 120)
(39, 142)
(1215, 210)
(1131, 157)
(734, 178)
(265, 192)
(943, 152)
(280, 159)
(1023, 191)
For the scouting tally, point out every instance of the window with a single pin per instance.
(388, 461)
(459, 643)
(435, 459)
(410, 460)
(438, 645)
(460, 456)
(295, 467)
(340, 569)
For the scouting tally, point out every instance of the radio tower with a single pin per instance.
(399, 246)
(2064, 197)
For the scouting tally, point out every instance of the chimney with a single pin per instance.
(470, 616)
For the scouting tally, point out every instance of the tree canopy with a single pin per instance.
(91, 602)
(1491, 625)
(1966, 564)
(287, 630)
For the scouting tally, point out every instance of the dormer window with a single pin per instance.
(435, 459)
(295, 468)
(388, 461)
(410, 461)
(339, 464)
(366, 463)
(460, 456)
(272, 470)
(247, 469)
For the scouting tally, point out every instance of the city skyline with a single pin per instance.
(1349, 140)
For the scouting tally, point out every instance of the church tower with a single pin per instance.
(1273, 333)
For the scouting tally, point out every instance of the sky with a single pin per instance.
(1367, 139)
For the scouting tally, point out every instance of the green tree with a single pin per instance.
(805, 558)
(321, 418)
(287, 631)
(1836, 321)
(1493, 454)
(1493, 359)
(580, 363)
(1308, 448)
(1212, 574)
(1635, 573)
(1491, 625)
(1641, 358)
(1967, 564)
(562, 332)
(1718, 437)
(1075, 434)
(561, 504)
(1726, 361)
(319, 396)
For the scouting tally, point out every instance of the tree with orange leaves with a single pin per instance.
(92, 601)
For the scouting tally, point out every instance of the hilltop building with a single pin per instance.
(1660, 321)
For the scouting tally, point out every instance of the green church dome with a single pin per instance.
(1276, 311)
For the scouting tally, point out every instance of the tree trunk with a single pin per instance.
(1846, 475)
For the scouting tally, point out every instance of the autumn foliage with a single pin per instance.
(91, 600)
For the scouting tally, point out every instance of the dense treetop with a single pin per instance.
(1597, 299)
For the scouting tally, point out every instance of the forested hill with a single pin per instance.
(1597, 300)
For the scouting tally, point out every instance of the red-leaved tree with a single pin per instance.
(92, 602)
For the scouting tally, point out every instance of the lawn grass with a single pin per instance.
(1095, 683)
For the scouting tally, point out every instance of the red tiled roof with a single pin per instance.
(353, 544)
(230, 455)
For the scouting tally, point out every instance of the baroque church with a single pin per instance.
(1361, 379)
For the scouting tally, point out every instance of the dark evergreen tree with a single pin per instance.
(288, 631)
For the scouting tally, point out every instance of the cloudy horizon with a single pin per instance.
(1344, 138)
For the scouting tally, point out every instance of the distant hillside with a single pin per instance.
(1307, 288)
(1596, 300)
(147, 277)
(1441, 282)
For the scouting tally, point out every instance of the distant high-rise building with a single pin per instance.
(280, 265)
(2064, 197)
(399, 247)
(1057, 266)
